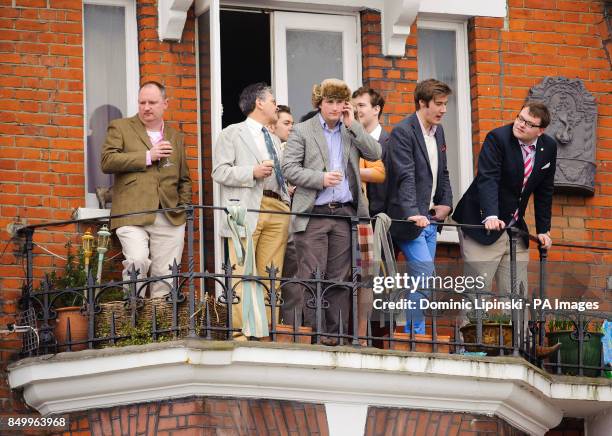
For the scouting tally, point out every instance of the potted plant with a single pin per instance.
(565, 332)
(69, 303)
(495, 325)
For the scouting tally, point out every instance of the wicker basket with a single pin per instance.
(144, 315)
(218, 318)
(490, 336)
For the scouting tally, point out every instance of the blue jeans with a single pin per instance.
(420, 254)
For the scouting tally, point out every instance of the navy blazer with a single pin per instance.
(410, 179)
(497, 188)
(377, 192)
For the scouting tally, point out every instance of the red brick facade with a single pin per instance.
(203, 417)
(42, 117)
(227, 416)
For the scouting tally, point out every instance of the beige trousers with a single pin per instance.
(493, 261)
(270, 241)
(153, 249)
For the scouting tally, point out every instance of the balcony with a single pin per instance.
(135, 350)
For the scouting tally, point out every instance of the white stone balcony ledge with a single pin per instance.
(347, 380)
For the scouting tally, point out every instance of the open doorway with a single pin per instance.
(245, 57)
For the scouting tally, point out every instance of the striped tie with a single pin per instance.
(528, 158)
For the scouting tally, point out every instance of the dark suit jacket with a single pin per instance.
(377, 192)
(496, 190)
(410, 180)
(139, 187)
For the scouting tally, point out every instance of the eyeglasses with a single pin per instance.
(522, 120)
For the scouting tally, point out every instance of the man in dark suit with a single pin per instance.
(369, 105)
(322, 159)
(421, 187)
(515, 161)
(150, 167)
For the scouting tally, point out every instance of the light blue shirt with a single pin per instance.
(340, 193)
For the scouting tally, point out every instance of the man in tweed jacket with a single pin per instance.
(322, 160)
(150, 167)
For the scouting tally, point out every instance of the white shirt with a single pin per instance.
(258, 136)
(432, 154)
(376, 132)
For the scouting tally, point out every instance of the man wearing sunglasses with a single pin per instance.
(515, 161)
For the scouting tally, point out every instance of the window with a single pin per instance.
(443, 55)
(111, 79)
(309, 48)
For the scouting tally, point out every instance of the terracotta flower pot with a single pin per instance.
(420, 347)
(78, 327)
(284, 333)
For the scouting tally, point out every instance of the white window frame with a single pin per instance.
(464, 116)
(132, 80)
(348, 25)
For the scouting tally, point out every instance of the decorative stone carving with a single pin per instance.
(573, 125)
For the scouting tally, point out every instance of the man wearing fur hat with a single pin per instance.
(322, 159)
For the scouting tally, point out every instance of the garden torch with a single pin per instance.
(103, 240)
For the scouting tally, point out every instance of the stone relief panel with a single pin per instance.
(573, 125)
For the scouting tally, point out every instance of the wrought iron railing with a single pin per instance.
(198, 305)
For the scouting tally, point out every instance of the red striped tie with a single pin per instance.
(528, 158)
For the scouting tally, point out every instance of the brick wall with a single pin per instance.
(507, 57)
(548, 38)
(42, 128)
(406, 422)
(395, 78)
(235, 416)
(203, 416)
(552, 38)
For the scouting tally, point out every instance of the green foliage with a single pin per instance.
(564, 324)
(491, 318)
(141, 334)
(108, 295)
(73, 276)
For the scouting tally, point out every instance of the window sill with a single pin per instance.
(90, 213)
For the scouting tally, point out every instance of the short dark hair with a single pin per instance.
(427, 90)
(281, 108)
(159, 86)
(375, 98)
(250, 94)
(537, 109)
(308, 115)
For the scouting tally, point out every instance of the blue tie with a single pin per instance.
(277, 170)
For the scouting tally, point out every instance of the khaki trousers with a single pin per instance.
(270, 241)
(493, 261)
(153, 249)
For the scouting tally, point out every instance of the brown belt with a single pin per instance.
(273, 194)
(334, 205)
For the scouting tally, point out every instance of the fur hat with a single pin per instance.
(332, 89)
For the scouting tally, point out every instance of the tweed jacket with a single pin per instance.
(139, 187)
(306, 159)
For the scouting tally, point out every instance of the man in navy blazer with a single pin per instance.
(515, 161)
(421, 190)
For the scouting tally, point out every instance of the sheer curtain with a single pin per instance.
(311, 57)
(437, 58)
(106, 87)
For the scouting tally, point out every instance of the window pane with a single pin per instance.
(105, 75)
(437, 57)
(311, 57)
